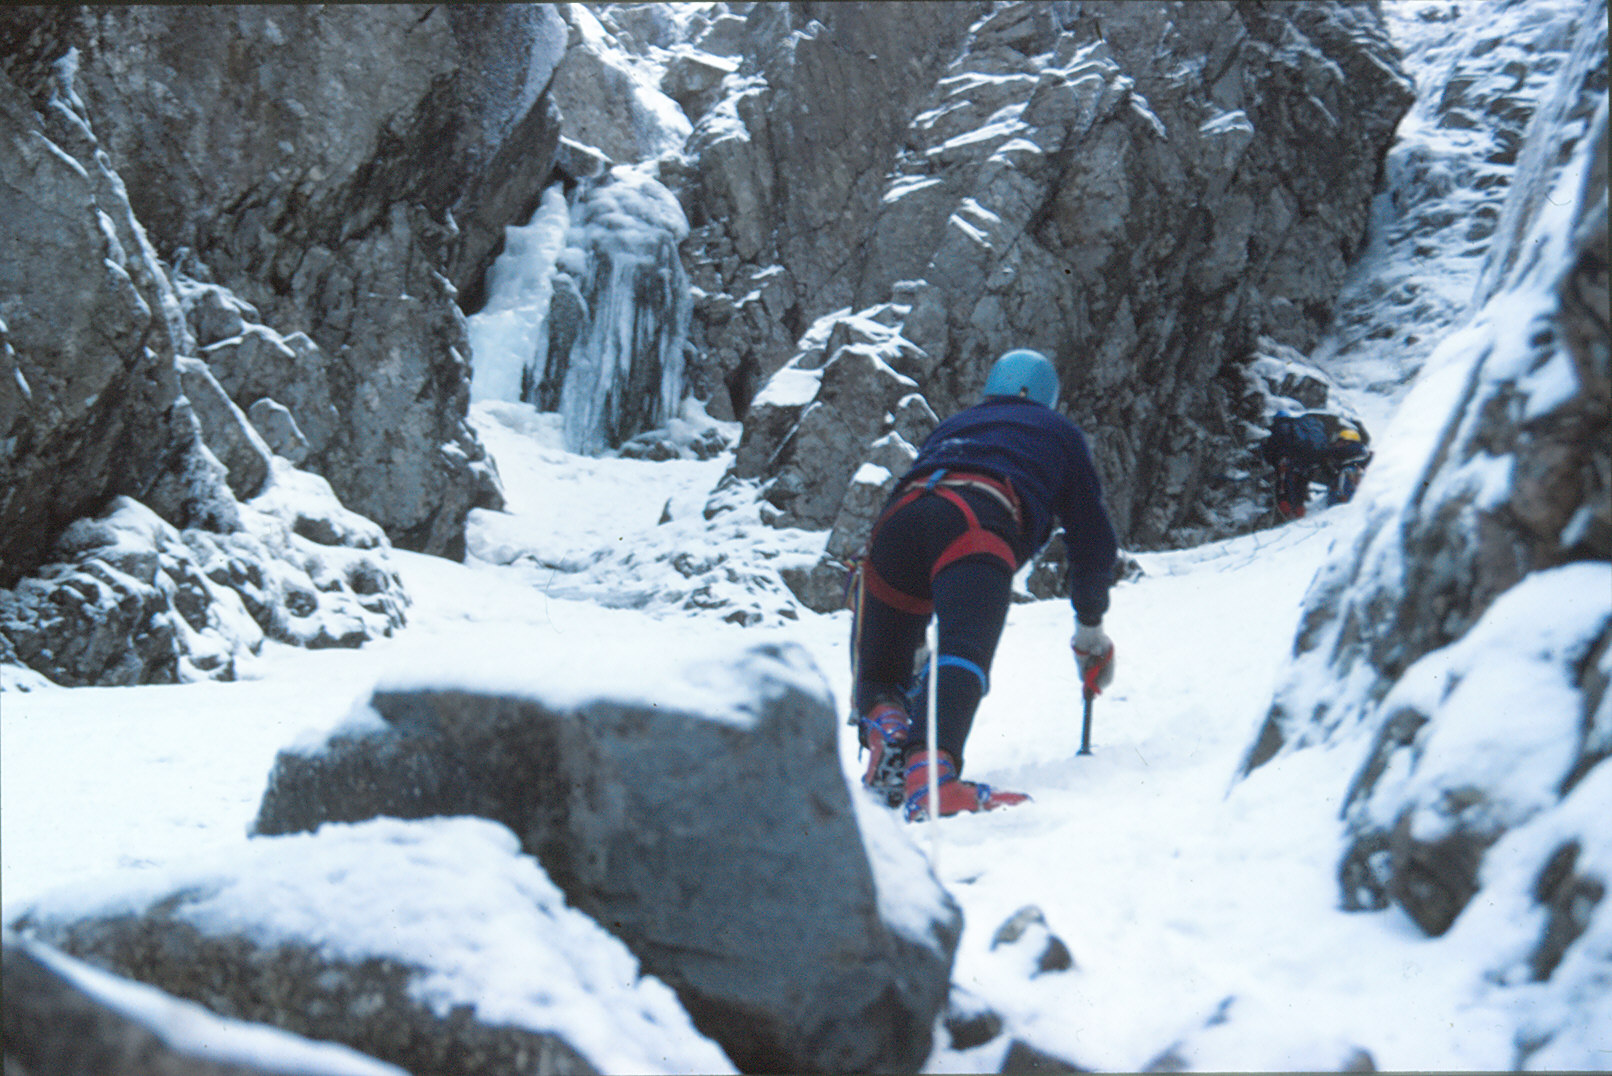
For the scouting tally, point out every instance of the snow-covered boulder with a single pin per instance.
(125, 601)
(127, 598)
(691, 800)
(432, 945)
(848, 385)
(65, 1017)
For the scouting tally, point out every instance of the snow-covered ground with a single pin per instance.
(1174, 887)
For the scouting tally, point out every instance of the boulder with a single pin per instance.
(433, 946)
(65, 1018)
(858, 396)
(1027, 936)
(762, 912)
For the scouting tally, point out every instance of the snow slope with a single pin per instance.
(1180, 895)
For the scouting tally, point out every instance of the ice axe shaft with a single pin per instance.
(1085, 722)
(1089, 691)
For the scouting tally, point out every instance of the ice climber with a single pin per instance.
(981, 499)
(1314, 447)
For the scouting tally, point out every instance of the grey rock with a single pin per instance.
(329, 207)
(608, 105)
(89, 396)
(694, 80)
(211, 312)
(279, 430)
(126, 598)
(369, 994)
(854, 405)
(1024, 1058)
(888, 459)
(1063, 190)
(124, 601)
(626, 805)
(226, 430)
(55, 1026)
(259, 363)
(724, 36)
(1027, 930)
(822, 586)
(969, 1021)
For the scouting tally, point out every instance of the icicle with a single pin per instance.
(508, 338)
(624, 371)
(588, 310)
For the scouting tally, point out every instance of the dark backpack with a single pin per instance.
(1309, 432)
(1300, 435)
(1301, 432)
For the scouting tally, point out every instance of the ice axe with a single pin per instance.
(1089, 691)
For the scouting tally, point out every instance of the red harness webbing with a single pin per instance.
(975, 539)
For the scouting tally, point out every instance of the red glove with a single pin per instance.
(1094, 653)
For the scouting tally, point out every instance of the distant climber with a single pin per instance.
(1314, 446)
(979, 501)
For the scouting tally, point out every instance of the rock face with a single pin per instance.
(1484, 577)
(628, 808)
(1139, 191)
(90, 401)
(127, 554)
(324, 188)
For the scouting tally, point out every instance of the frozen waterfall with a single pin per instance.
(587, 310)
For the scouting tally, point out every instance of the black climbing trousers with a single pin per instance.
(968, 595)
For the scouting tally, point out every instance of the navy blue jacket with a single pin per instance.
(1045, 457)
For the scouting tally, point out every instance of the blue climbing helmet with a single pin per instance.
(1025, 373)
